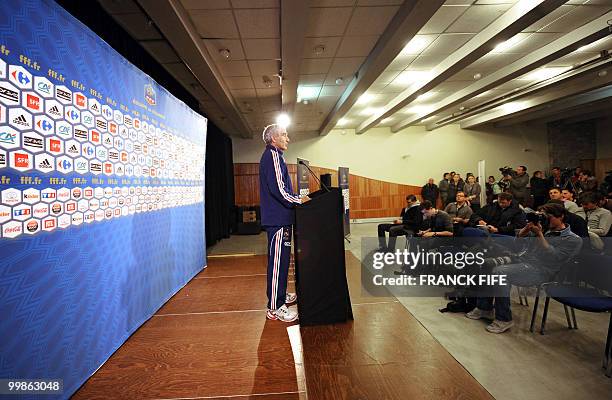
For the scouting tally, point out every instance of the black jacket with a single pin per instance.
(505, 220)
(453, 189)
(539, 187)
(430, 192)
(413, 217)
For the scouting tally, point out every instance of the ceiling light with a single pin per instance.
(426, 96)
(513, 106)
(343, 121)
(477, 76)
(319, 49)
(225, 53)
(308, 92)
(283, 120)
(366, 98)
(305, 102)
(411, 77)
(416, 45)
(544, 73)
(371, 111)
(339, 81)
(603, 73)
(508, 44)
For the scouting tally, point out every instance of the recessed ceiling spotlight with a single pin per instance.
(267, 81)
(318, 49)
(305, 102)
(477, 76)
(225, 53)
(339, 81)
(461, 108)
(603, 73)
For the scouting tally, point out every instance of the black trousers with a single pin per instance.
(394, 230)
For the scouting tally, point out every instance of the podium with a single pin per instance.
(320, 269)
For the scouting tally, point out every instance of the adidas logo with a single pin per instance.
(73, 149)
(54, 110)
(94, 107)
(44, 164)
(20, 120)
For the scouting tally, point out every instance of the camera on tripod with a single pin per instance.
(506, 170)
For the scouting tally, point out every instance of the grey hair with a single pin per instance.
(270, 131)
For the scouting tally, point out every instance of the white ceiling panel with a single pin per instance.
(442, 19)
(233, 45)
(579, 16)
(332, 90)
(239, 82)
(205, 4)
(370, 20)
(258, 23)
(262, 49)
(446, 44)
(234, 68)
(328, 21)
(256, 3)
(401, 63)
(330, 43)
(426, 62)
(356, 46)
(312, 80)
(344, 68)
(214, 24)
(315, 66)
(477, 17)
(264, 67)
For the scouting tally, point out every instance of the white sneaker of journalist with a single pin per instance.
(477, 313)
(284, 314)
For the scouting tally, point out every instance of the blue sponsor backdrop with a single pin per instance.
(69, 298)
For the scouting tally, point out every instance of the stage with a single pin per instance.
(212, 340)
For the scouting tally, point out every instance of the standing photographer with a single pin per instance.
(518, 184)
(552, 246)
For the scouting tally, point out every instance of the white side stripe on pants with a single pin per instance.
(276, 268)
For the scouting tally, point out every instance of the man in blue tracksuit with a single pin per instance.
(277, 216)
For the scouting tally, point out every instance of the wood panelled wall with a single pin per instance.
(370, 198)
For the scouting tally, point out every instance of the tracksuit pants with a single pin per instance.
(279, 251)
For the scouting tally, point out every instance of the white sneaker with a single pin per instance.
(477, 313)
(290, 298)
(283, 314)
(498, 326)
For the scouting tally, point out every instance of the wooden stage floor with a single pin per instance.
(212, 341)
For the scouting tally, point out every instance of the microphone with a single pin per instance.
(313, 174)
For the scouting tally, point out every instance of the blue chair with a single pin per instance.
(591, 291)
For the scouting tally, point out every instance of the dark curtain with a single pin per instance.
(219, 185)
(219, 162)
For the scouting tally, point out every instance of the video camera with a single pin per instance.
(506, 170)
(537, 218)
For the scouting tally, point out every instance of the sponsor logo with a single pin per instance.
(88, 150)
(73, 150)
(87, 119)
(8, 137)
(76, 193)
(127, 120)
(89, 192)
(9, 94)
(21, 212)
(95, 167)
(107, 112)
(55, 145)
(95, 107)
(56, 208)
(44, 125)
(55, 111)
(150, 96)
(109, 213)
(112, 128)
(95, 137)
(45, 164)
(80, 133)
(73, 115)
(108, 141)
(32, 142)
(70, 206)
(22, 160)
(79, 100)
(108, 168)
(20, 77)
(12, 230)
(44, 87)
(101, 124)
(32, 226)
(21, 120)
(33, 102)
(48, 195)
(49, 224)
(81, 166)
(64, 164)
(2, 160)
(63, 94)
(113, 156)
